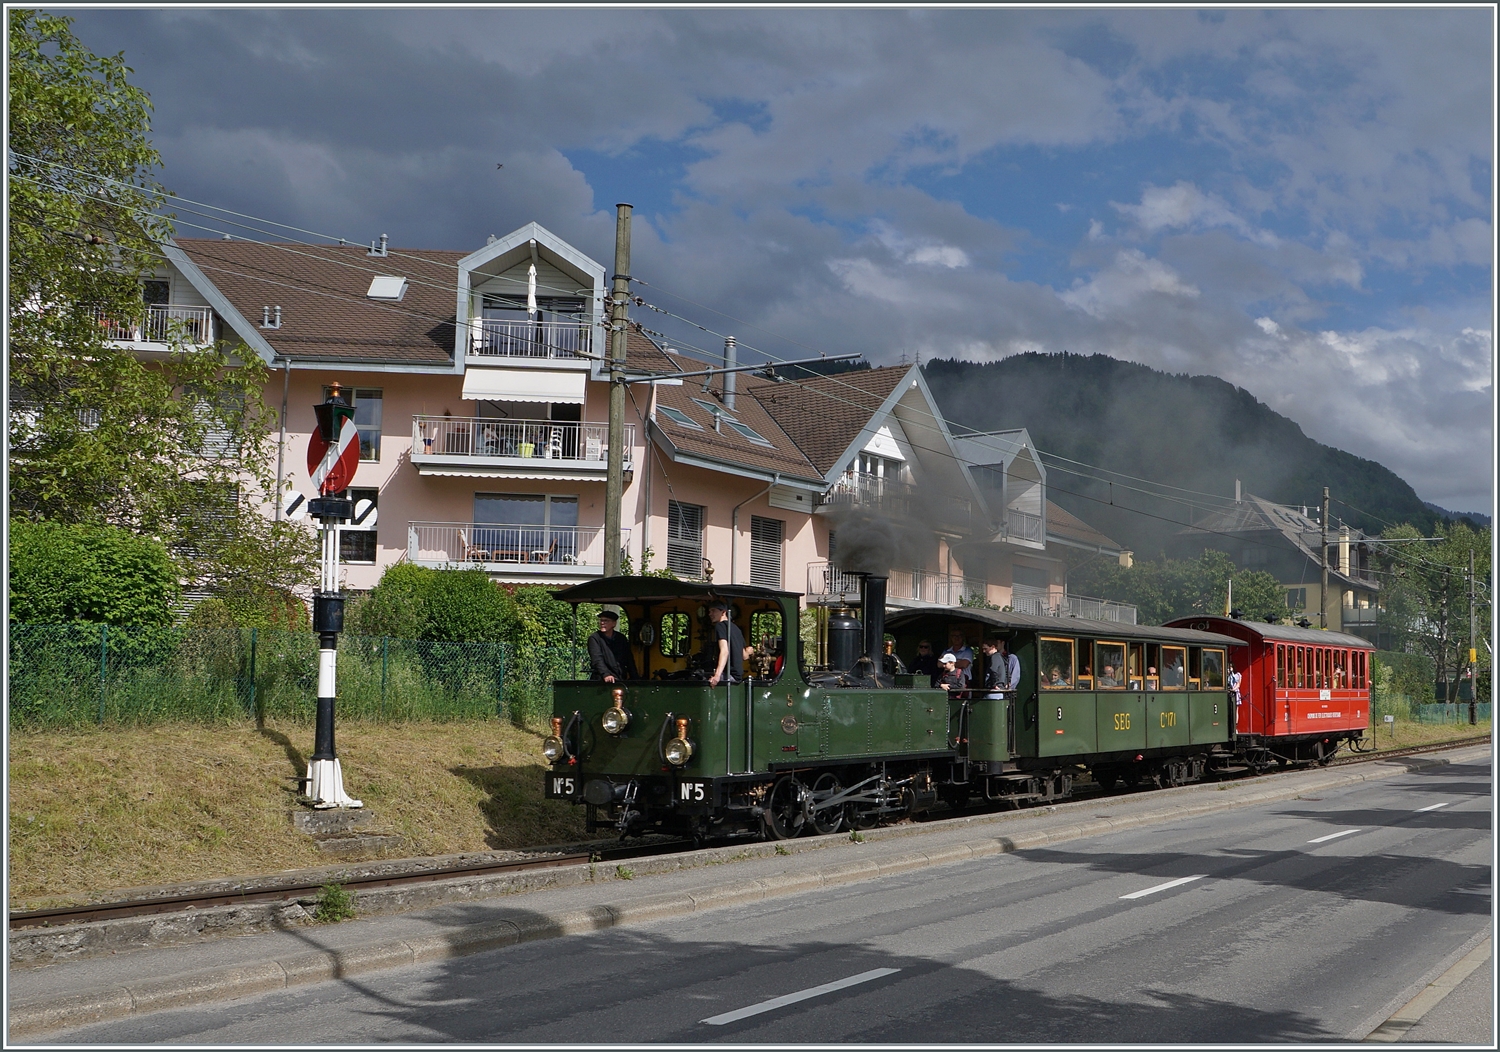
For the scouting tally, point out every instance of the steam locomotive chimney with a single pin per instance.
(872, 594)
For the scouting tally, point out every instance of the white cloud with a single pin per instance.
(1131, 276)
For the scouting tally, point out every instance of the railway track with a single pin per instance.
(294, 891)
(612, 853)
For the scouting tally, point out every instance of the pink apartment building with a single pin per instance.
(484, 432)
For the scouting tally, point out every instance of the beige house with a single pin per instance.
(482, 409)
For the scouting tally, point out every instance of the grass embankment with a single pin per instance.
(125, 807)
(1409, 734)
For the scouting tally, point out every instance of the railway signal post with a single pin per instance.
(332, 458)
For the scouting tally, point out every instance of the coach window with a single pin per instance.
(1195, 668)
(1281, 666)
(1085, 678)
(1056, 664)
(1213, 670)
(1109, 665)
(1135, 665)
(1173, 668)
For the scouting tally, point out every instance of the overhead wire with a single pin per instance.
(1221, 502)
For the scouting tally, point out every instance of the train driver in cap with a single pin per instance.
(610, 658)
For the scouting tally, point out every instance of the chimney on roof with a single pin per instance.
(731, 359)
(1237, 491)
(490, 240)
(270, 317)
(380, 249)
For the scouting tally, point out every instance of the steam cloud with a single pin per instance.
(875, 544)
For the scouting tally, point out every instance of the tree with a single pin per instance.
(1172, 588)
(174, 449)
(1425, 600)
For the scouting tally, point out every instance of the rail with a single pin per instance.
(1024, 526)
(466, 436)
(162, 324)
(499, 544)
(506, 338)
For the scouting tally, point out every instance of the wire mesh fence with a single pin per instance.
(73, 675)
(1450, 712)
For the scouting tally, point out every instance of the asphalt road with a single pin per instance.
(1298, 921)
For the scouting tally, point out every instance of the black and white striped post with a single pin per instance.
(333, 456)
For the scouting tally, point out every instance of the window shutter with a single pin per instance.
(685, 539)
(765, 551)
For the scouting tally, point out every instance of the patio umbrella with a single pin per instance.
(531, 310)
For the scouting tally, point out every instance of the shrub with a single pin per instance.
(99, 574)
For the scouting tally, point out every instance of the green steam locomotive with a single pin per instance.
(795, 748)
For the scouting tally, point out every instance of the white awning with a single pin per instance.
(513, 473)
(525, 385)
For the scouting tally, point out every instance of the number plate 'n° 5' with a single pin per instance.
(561, 787)
(692, 792)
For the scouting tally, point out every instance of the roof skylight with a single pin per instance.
(679, 417)
(748, 431)
(391, 289)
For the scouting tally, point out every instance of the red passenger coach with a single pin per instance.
(1303, 693)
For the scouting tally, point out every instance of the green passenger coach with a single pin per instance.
(793, 748)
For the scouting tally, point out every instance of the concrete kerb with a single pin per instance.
(33, 1018)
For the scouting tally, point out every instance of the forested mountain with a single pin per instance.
(1194, 432)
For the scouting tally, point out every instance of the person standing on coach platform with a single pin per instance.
(730, 641)
(609, 652)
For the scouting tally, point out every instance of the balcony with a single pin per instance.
(827, 584)
(506, 338)
(1044, 604)
(513, 550)
(513, 448)
(163, 325)
(890, 497)
(1022, 527)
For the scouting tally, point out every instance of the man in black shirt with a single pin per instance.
(926, 663)
(609, 652)
(730, 643)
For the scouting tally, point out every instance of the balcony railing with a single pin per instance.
(827, 583)
(1024, 526)
(163, 324)
(487, 544)
(890, 497)
(463, 436)
(1043, 604)
(506, 338)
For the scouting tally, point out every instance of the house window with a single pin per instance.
(526, 527)
(765, 551)
(367, 403)
(685, 539)
(880, 467)
(357, 539)
(156, 292)
(1253, 556)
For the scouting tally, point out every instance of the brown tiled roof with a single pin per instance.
(822, 415)
(321, 292)
(727, 444)
(1070, 527)
(642, 355)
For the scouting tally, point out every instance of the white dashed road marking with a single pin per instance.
(800, 995)
(1332, 836)
(1432, 807)
(1163, 887)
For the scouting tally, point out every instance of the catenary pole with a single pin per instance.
(1324, 592)
(1473, 671)
(614, 486)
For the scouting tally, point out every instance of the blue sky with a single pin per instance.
(1296, 200)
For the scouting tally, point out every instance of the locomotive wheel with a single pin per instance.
(829, 820)
(783, 816)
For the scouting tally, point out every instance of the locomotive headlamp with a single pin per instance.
(679, 750)
(552, 746)
(615, 720)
